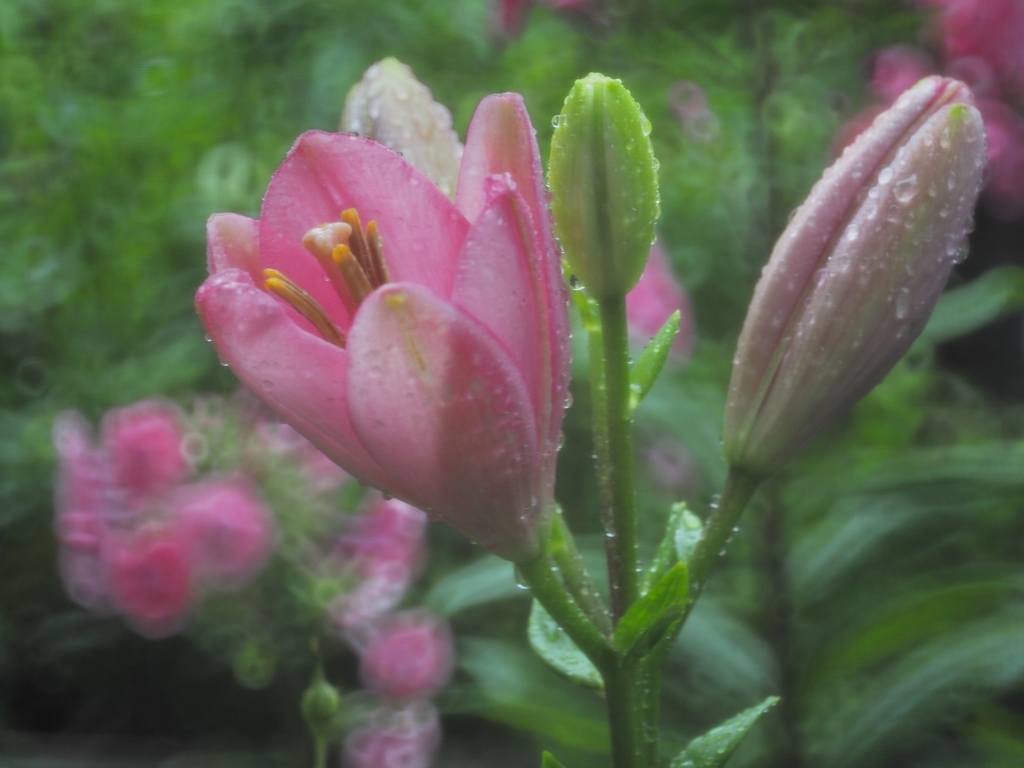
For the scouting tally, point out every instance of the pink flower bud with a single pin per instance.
(653, 299)
(408, 656)
(897, 68)
(853, 279)
(144, 444)
(228, 531)
(395, 738)
(151, 582)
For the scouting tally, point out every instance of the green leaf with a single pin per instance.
(714, 748)
(550, 761)
(998, 292)
(682, 532)
(647, 367)
(487, 580)
(558, 651)
(648, 618)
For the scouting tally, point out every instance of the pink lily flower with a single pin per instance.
(427, 352)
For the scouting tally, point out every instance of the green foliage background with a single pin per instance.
(877, 587)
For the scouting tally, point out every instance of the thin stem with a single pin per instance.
(778, 616)
(576, 576)
(320, 760)
(614, 453)
(547, 587)
(738, 489)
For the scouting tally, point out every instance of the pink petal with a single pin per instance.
(499, 282)
(232, 242)
(297, 374)
(501, 140)
(326, 173)
(435, 398)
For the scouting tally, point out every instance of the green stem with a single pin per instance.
(613, 438)
(739, 488)
(547, 587)
(320, 760)
(624, 687)
(576, 576)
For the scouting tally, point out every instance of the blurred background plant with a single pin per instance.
(877, 586)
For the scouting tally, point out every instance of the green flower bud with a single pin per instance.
(321, 704)
(604, 186)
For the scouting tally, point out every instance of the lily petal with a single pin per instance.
(233, 242)
(296, 373)
(501, 140)
(435, 398)
(326, 173)
(497, 283)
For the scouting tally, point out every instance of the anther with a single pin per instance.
(321, 242)
(357, 242)
(356, 279)
(304, 304)
(380, 267)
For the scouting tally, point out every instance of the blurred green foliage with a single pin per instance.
(877, 587)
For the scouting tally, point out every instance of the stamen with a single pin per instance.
(355, 276)
(304, 304)
(357, 242)
(321, 241)
(380, 267)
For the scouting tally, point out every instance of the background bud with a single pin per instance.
(320, 705)
(604, 187)
(390, 106)
(853, 279)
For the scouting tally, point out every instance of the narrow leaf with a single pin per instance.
(714, 748)
(648, 618)
(550, 761)
(998, 292)
(647, 367)
(682, 531)
(559, 652)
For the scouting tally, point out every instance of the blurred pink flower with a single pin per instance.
(511, 14)
(151, 581)
(143, 442)
(227, 530)
(1004, 187)
(992, 30)
(427, 353)
(83, 495)
(385, 548)
(395, 738)
(409, 655)
(653, 299)
(689, 102)
(896, 68)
